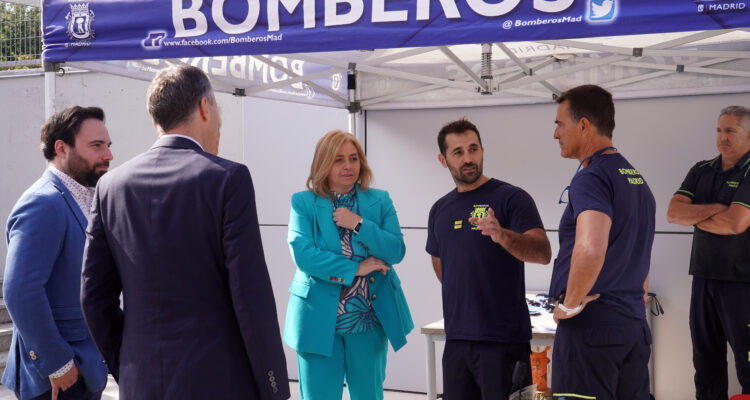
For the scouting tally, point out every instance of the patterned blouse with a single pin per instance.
(355, 313)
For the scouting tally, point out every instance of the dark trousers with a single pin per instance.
(719, 312)
(76, 392)
(474, 370)
(598, 355)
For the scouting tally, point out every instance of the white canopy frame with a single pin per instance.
(521, 80)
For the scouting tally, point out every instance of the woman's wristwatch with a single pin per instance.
(357, 227)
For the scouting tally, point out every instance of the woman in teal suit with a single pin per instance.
(346, 301)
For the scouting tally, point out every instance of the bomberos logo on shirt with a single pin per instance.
(480, 211)
(634, 177)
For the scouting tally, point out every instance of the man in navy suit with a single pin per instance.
(52, 355)
(175, 230)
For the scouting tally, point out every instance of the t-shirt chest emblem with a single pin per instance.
(480, 211)
(733, 184)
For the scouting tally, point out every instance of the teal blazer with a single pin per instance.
(322, 270)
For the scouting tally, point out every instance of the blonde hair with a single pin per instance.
(325, 154)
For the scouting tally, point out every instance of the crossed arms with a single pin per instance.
(715, 218)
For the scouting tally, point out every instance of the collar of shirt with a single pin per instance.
(184, 137)
(740, 164)
(83, 195)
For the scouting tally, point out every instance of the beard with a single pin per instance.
(82, 172)
(467, 178)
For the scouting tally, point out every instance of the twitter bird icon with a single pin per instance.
(601, 10)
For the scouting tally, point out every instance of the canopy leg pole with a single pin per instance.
(357, 122)
(353, 124)
(353, 106)
(49, 89)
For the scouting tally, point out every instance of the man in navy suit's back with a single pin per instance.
(175, 230)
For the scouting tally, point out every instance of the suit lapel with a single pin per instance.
(69, 200)
(324, 218)
(368, 211)
(367, 203)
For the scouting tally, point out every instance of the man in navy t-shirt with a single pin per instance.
(602, 344)
(479, 236)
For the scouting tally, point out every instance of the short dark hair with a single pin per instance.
(175, 93)
(64, 125)
(460, 126)
(594, 103)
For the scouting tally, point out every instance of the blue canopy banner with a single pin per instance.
(163, 29)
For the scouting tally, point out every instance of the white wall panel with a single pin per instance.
(279, 145)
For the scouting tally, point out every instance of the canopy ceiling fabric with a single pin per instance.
(417, 53)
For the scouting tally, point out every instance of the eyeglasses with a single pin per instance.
(564, 195)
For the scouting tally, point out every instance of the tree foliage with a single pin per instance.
(20, 32)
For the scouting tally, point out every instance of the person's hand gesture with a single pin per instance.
(489, 226)
(345, 218)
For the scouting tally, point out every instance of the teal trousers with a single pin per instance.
(357, 357)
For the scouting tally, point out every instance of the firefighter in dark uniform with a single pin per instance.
(715, 198)
(602, 345)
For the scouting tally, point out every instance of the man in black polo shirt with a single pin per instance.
(479, 236)
(602, 344)
(715, 197)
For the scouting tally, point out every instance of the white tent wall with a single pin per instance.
(663, 137)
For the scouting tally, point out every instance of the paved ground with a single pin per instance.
(110, 393)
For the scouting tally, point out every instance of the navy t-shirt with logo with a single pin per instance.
(612, 186)
(483, 284)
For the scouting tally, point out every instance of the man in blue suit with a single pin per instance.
(52, 355)
(175, 230)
